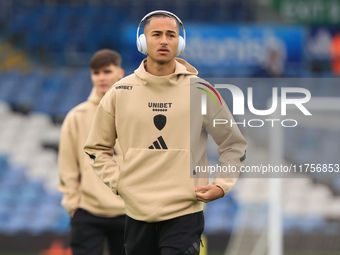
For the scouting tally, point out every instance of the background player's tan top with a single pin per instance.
(161, 141)
(82, 188)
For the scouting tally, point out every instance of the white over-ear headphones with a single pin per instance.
(141, 39)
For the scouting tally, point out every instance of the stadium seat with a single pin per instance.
(220, 215)
(9, 86)
(3, 164)
(312, 223)
(31, 87)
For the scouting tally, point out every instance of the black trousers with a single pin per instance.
(178, 236)
(88, 234)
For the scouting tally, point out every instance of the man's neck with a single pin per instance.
(157, 69)
(100, 95)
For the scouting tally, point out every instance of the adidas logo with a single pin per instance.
(160, 145)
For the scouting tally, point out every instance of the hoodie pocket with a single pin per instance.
(156, 182)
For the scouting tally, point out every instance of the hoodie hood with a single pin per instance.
(182, 68)
(93, 97)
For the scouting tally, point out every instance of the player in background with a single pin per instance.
(96, 213)
(149, 112)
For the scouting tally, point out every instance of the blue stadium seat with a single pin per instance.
(4, 214)
(24, 19)
(14, 225)
(304, 224)
(40, 224)
(31, 86)
(68, 101)
(63, 225)
(3, 164)
(10, 84)
(312, 224)
(290, 224)
(7, 198)
(14, 176)
(31, 195)
(45, 102)
(25, 206)
(220, 215)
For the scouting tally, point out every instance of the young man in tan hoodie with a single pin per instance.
(96, 213)
(152, 115)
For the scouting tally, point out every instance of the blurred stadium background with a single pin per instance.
(45, 48)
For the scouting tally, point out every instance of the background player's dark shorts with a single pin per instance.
(88, 234)
(178, 236)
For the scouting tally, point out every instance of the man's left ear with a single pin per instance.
(121, 73)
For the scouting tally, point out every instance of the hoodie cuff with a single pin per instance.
(224, 190)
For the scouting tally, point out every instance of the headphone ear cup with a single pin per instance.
(181, 45)
(141, 44)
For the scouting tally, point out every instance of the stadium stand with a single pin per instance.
(53, 93)
(29, 199)
(64, 34)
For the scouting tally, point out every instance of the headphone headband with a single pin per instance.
(162, 12)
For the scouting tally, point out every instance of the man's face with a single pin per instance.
(162, 39)
(104, 77)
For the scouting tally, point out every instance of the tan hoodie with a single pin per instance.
(81, 186)
(161, 142)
